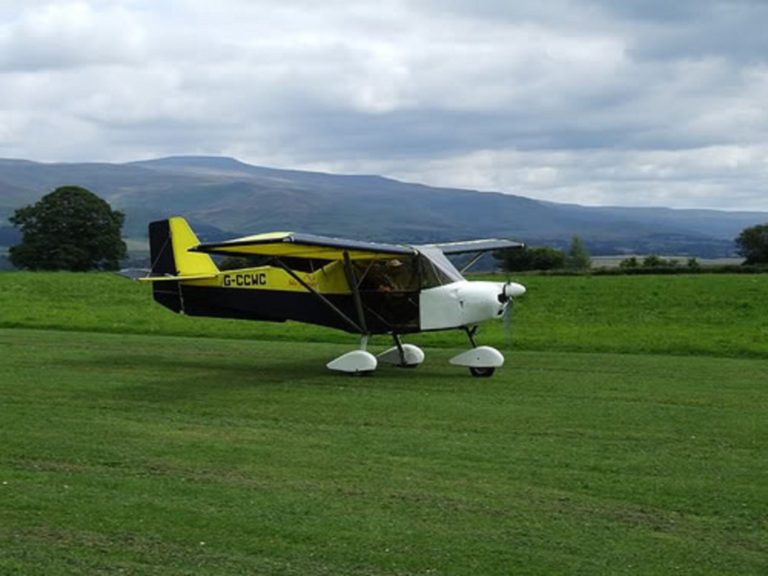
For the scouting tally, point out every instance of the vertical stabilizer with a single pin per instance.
(182, 239)
(169, 244)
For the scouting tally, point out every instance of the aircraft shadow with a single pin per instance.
(162, 377)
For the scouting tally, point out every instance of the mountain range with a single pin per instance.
(223, 197)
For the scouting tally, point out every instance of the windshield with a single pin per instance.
(436, 269)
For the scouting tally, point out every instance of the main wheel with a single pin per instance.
(481, 372)
(361, 373)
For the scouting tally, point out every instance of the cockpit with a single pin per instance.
(390, 287)
(427, 269)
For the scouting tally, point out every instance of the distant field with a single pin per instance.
(614, 261)
(131, 454)
(720, 315)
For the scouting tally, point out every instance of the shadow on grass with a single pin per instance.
(163, 377)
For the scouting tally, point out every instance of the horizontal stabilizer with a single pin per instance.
(177, 278)
(134, 273)
(146, 275)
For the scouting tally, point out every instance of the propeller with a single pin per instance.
(507, 321)
(510, 291)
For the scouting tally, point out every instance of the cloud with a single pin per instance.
(45, 36)
(719, 177)
(576, 100)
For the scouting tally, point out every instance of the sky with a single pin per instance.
(595, 102)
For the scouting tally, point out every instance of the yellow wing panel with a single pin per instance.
(294, 245)
(298, 251)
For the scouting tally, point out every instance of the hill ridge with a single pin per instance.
(224, 196)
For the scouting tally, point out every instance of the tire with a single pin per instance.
(481, 372)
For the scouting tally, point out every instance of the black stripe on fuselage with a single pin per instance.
(384, 314)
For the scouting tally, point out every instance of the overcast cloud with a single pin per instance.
(654, 102)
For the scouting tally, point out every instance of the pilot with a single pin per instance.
(380, 275)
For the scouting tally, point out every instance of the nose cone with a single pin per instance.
(513, 289)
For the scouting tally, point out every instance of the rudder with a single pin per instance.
(169, 244)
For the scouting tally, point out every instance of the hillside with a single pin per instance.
(224, 197)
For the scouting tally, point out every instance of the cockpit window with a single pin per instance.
(428, 269)
(436, 269)
(388, 275)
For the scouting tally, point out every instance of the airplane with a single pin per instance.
(364, 288)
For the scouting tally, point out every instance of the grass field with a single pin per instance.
(147, 451)
(720, 315)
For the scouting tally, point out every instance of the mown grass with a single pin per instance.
(129, 454)
(717, 315)
(146, 451)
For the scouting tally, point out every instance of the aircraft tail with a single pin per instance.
(169, 244)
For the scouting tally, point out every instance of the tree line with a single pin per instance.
(752, 245)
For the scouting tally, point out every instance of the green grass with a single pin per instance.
(126, 454)
(136, 441)
(717, 315)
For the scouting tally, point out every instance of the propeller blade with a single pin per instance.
(507, 322)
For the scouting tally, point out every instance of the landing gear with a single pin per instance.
(481, 372)
(358, 362)
(361, 362)
(482, 361)
(402, 355)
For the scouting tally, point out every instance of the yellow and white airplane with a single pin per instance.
(362, 287)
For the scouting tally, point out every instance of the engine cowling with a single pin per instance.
(465, 303)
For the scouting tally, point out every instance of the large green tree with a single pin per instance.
(752, 243)
(69, 229)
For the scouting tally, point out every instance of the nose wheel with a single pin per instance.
(481, 372)
(482, 361)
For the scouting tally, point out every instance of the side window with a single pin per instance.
(388, 275)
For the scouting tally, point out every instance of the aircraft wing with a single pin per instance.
(295, 245)
(474, 246)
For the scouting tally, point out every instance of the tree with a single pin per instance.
(752, 244)
(654, 261)
(517, 260)
(69, 229)
(630, 263)
(578, 257)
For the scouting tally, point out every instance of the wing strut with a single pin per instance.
(472, 262)
(322, 298)
(352, 281)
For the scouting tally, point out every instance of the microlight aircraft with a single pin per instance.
(364, 288)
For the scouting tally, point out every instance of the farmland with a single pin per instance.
(626, 435)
